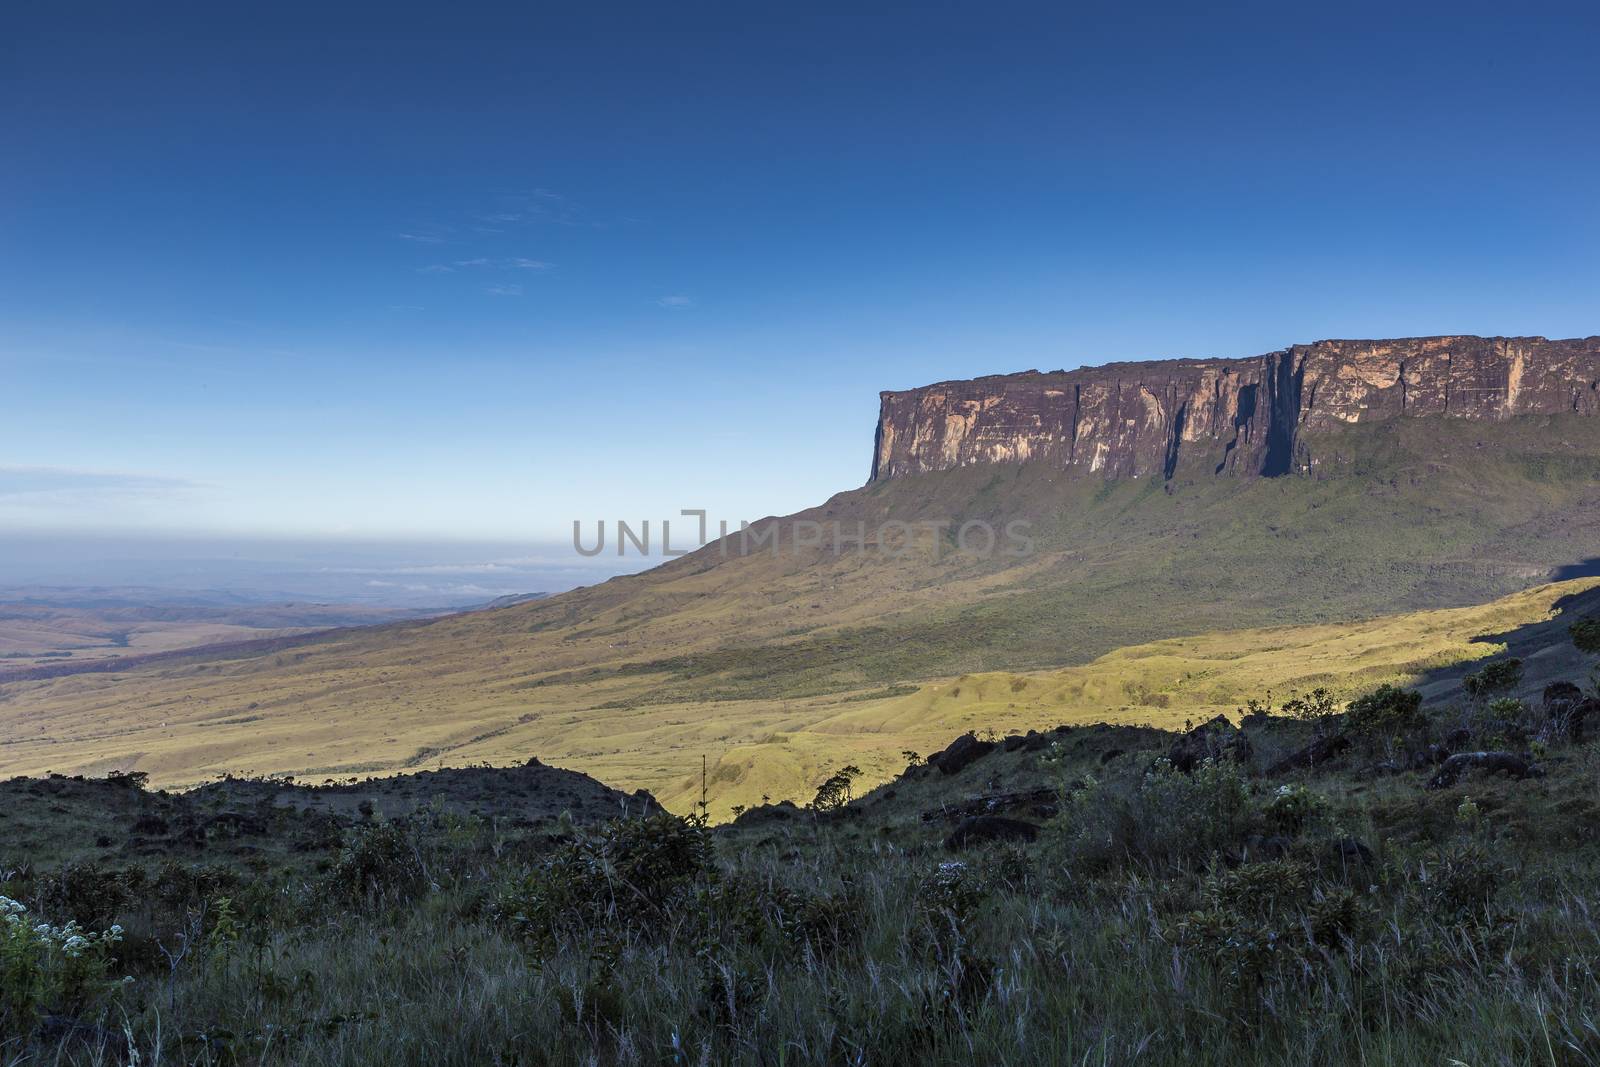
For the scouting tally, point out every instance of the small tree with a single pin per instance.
(1386, 713)
(1316, 707)
(1494, 680)
(834, 792)
(1586, 636)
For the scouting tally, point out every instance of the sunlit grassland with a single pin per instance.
(1145, 601)
(359, 722)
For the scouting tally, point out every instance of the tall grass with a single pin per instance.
(822, 945)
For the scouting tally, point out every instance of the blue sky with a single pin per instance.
(473, 271)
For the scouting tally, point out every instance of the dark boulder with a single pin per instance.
(1217, 739)
(1040, 803)
(1350, 852)
(1505, 763)
(1561, 696)
(153, 825)
(1568, 711)
(782, 811)
(963, 751)
(1266, 847)
(980, 829)
(1317, 752)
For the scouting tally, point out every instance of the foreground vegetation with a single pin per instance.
(1320, 886)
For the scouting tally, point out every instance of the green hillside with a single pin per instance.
(783, 666)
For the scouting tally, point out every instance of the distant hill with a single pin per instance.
(62, 630)
(509, 601)
(777, 665)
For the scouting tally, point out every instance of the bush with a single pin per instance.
(48, 968)
(379, 860)
(1586, 635)
(1268, 921)
(633, 873)
(1169, 818)
(91, 894)
(1293, 808)
(1386, 712)
(1461, 882)
(950, 896)
(1315, 707)
(1498, 677)
(1503, 723)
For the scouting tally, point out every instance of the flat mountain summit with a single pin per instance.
(1258, 415)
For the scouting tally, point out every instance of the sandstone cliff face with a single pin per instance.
(1255, 416)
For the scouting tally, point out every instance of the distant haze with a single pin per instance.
(390, 573)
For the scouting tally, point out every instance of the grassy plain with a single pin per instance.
(755, 749)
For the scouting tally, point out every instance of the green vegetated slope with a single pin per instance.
(757, 659)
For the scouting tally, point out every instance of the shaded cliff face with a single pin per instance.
(1258, 415)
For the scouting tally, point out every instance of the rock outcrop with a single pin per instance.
(1252, 416)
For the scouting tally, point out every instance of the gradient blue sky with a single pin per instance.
(473, 271)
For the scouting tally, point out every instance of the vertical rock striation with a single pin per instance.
(1251, 416)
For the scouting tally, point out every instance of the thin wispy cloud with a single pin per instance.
(485, 263)
(676, 302)
(422, 238)
(22, 481)
(504, 290)
(536, 207)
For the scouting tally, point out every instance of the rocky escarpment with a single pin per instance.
(1256, 415)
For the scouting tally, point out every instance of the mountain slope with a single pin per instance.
(1323, 484)
(736, 656)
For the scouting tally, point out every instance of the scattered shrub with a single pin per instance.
(1294, 808)
(49, 968)
(1493, 679)
(92, 894)
(1316, 706)
(1459, 882)
(1586, 635)
(1169, 818)
(949, 897)
(379, 861)
(631, 873)
(1387, 712)
(1503, 723)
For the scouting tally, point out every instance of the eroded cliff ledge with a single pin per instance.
(1257, 415)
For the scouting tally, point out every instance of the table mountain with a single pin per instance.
(1260, 415)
